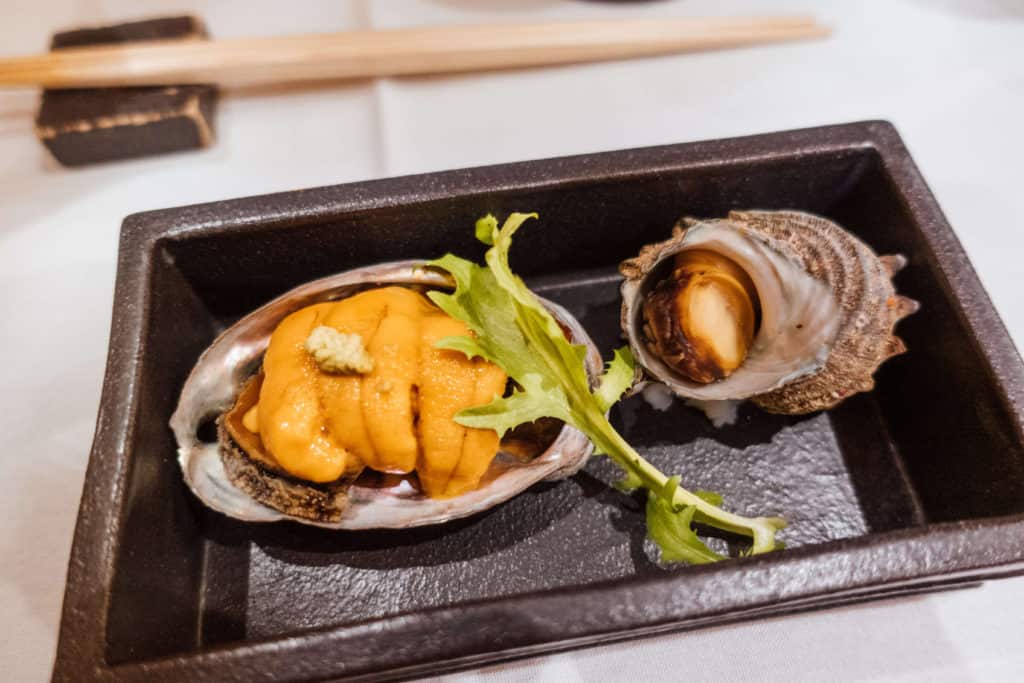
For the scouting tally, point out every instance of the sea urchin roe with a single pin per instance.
(251, 419)
(389, 392)
(701, 319)
(490, 382)
(290, 417)
(396, 417)
(446, 385)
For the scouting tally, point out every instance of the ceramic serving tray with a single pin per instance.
(918, 485)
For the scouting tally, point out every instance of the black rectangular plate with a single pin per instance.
(918, 485)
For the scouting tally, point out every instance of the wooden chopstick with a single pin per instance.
(407, 51)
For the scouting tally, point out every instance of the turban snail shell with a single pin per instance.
(781, 307)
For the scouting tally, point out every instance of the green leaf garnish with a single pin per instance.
(669, 526)
(630, 482)
(710, 497)
(517, 333)
(617, 379)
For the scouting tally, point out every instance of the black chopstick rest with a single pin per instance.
(92, 125)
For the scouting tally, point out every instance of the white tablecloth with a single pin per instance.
(949, 74)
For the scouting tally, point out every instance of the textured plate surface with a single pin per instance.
(916, 486)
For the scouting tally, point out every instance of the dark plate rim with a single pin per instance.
(529, 624)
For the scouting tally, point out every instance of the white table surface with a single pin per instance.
(949, 74)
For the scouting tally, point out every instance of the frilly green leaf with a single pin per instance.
(532, 402)
(513, 330)
(669, 526)
(466, 345)
(486, 228)
(616, 379)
